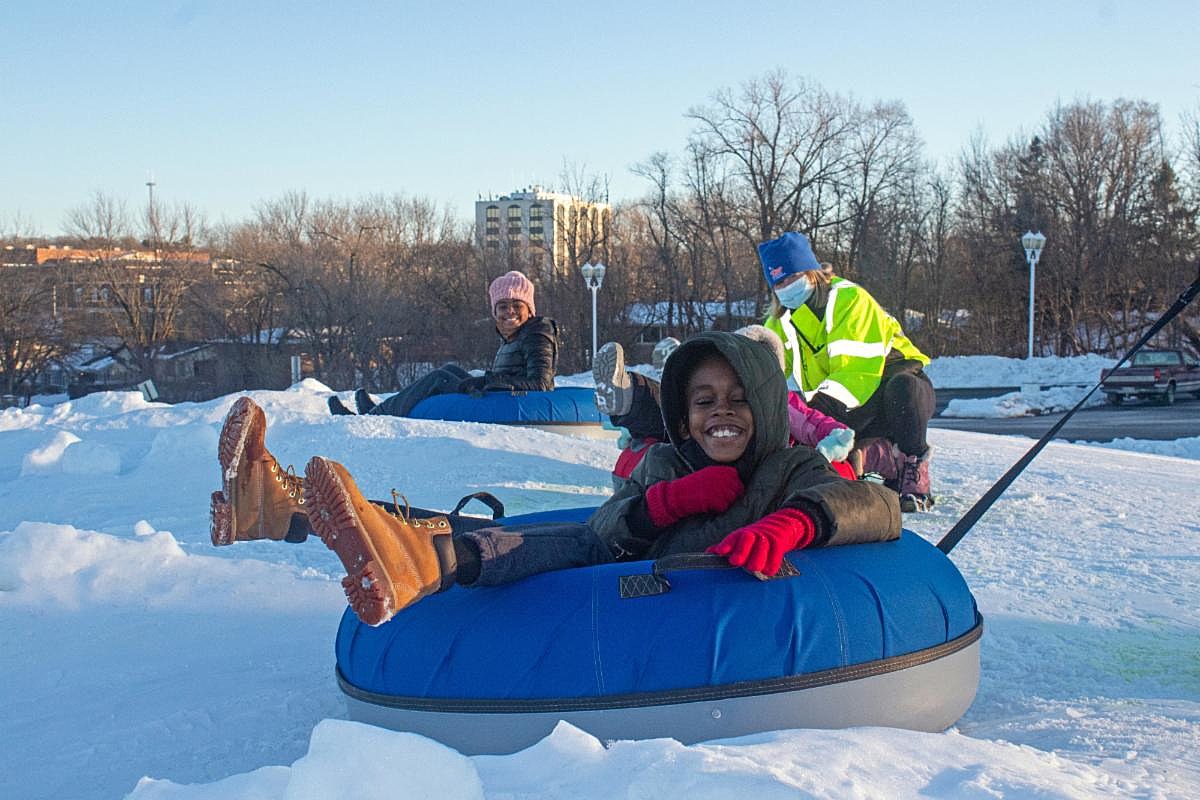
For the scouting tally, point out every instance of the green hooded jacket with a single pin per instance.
(775, 476)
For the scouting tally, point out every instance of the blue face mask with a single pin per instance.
(794, 294)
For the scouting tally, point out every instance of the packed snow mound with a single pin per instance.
(969, 372)
(346, 759)
(105, 404)
(48, 457)
(1028, 403)
(47, 566)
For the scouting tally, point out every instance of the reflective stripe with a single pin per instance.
(838, 392)
(831, 303)
(789, 333)
(850, 347)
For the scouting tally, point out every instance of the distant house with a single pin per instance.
(647, 323)
(193, 371)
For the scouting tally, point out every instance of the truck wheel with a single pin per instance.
(1114, 399)
(1168, 397)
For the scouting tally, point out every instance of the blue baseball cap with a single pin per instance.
(788, 255)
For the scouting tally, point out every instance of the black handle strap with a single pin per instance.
(487, 498)
(960, 529)
(656, 582)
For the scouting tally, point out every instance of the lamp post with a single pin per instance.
(1033, 244)
(593, 277)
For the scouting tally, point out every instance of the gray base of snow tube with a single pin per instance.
(583, 429)
(923, 691)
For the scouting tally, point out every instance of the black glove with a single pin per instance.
(829, 406)
(472, 385)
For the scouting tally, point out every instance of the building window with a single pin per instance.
(514, 214)
(493, 213)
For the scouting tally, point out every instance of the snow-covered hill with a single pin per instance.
(134, 648)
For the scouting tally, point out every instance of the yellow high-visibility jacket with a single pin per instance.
(842, 354)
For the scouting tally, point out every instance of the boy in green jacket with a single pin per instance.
(726, 482)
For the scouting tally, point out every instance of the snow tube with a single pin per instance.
(570, 410)
(873, 634)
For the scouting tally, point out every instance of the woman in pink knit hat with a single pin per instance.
(525, 361)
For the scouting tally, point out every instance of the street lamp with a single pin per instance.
(1033, 244)
(593, 277)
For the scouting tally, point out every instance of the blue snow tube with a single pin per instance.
(872, 634)
(565, 406)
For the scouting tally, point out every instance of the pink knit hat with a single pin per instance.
(512, 286)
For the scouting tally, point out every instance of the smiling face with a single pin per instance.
(510, 315)
(718, 413)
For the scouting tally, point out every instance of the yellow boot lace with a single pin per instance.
(408, 519)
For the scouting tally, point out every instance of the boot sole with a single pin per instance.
(911, 504)
(368, 588)
(220, 515)
(231, 447)
(608, 370)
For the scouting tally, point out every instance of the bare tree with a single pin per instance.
(786, 142)
(143, 301)
(31, 332)
(882, 158)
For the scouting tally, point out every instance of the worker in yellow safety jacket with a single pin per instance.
(851, 360)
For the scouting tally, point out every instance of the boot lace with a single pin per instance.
(408, 519)
(292, 483)
(910, 477)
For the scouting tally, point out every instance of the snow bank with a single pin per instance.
(350, 760)
(1026, 403)
(968, 372)
(47, 566)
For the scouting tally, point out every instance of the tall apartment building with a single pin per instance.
(538, 225)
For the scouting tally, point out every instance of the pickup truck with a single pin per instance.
(1157, 374)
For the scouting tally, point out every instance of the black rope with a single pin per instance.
(969, 519)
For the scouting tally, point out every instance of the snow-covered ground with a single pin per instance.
(139, 660)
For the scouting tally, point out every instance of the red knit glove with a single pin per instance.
(759, 547)
(706, 491)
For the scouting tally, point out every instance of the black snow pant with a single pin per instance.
(644, 419)
(899, 410)
(443, 380)
(497, 555)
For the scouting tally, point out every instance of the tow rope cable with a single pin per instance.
(981, 506)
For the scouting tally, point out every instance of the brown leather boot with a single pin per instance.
(391, 561)
(259, 498)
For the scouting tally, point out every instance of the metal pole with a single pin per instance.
(1032, 259)
(594, 287)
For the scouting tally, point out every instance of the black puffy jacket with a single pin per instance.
(527, 362)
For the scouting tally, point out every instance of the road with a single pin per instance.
(1097, 424)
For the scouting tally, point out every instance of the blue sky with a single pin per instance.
(233, 103)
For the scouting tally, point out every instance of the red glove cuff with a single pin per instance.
(802, 526)
(656, 506)
(760, 546)
(844, 469)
